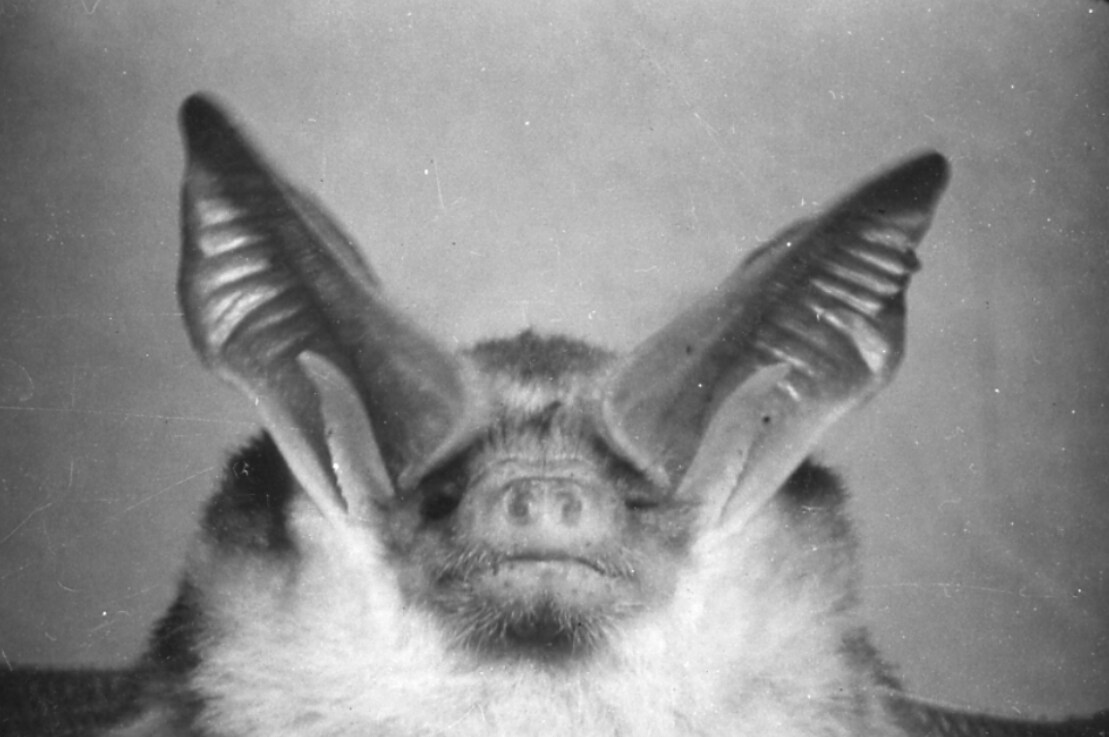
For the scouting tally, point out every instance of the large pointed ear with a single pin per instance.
(278, 301)
(734, 393)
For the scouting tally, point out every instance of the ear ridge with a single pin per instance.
(824, 298)
(267, 277)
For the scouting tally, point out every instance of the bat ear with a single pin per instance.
(734, 393)
(278, 301)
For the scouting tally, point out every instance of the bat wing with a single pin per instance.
(919, 718)
(66, 703)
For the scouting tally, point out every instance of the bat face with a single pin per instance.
(538, 538)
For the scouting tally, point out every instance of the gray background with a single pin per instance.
(588, 168)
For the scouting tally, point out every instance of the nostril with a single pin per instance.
(547, 503)
(520, 503)
(570, 505)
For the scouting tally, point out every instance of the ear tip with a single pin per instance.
(924, 175)
(930, 169)
(912, 187)
(203, 122)
(199, 111)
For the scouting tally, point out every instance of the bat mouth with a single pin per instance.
(559, 561)
(536, 604)
(486, 561)
(572, 581)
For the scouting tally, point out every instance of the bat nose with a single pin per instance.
(546, 514)
(531, 502)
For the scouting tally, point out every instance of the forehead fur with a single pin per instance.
(542, 388)
(529, 372)
(530, 357)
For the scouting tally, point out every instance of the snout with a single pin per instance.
(538, 517)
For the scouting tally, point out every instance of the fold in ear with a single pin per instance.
(734, 444)
(824, 299)
(346, 433)
(266, 278)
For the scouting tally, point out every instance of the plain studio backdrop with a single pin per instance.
(588, 168)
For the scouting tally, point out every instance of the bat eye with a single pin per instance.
(640, 503)
(442, 489)
(439, 505)
(440, 500)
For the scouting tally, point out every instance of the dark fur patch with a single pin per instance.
(815, 499)
(814, 486)
(530, 356)
(860, 651)
(172, 654)
(250, 509)
(545, 632)
(173, 645)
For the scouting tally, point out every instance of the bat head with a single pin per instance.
(532, 496)
(537, 537)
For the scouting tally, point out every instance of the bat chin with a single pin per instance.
(545, 608)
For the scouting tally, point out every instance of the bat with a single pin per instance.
(531, 536)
